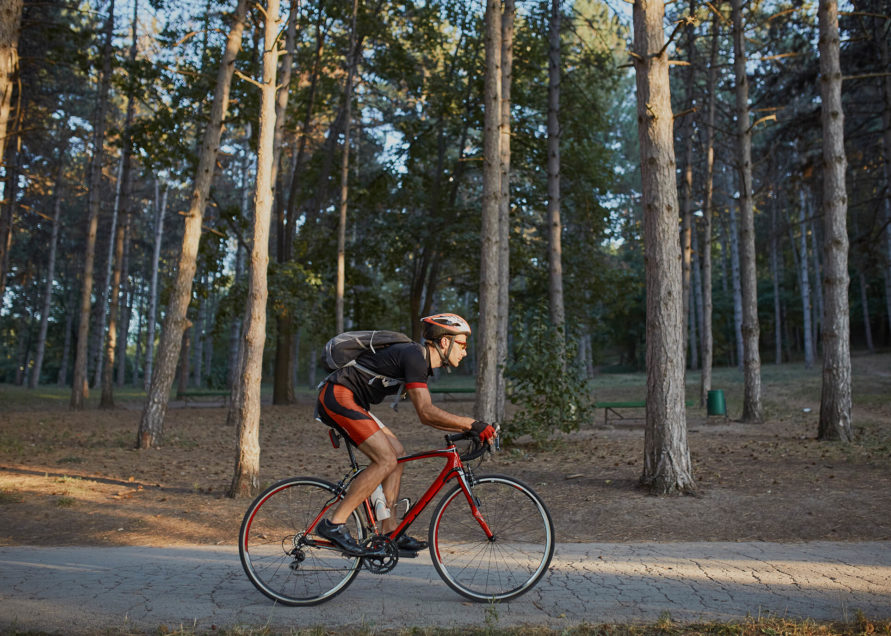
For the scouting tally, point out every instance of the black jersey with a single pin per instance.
(406, 362)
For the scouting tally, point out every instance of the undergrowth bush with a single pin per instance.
(542, 382)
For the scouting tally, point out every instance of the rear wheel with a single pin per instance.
(509, 563)
(281, 558)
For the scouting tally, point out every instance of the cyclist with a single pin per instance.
(344, 402)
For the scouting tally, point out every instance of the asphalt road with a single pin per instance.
(82, 590)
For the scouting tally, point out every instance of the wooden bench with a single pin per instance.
(629, 404)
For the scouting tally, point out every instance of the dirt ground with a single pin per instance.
(73, 478)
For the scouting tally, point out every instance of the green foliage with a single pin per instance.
(550, 396)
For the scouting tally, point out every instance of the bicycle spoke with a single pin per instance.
(276, 559)
(509, 564)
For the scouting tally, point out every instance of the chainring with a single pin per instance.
(381, 564)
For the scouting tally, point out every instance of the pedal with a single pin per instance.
(407, 554)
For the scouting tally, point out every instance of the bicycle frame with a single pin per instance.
(454, 468)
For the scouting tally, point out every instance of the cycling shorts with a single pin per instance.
(338, 406)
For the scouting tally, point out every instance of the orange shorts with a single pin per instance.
(337, 405)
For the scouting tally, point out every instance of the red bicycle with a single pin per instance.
(491, 537)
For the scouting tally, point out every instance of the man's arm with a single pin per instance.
(432, 415)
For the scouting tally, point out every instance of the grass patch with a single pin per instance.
(664, 626)
(10, 497)
(71, 459)
(65, 502)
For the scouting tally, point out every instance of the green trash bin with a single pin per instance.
(715, 403)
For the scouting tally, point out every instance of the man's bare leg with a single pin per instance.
(379, 449)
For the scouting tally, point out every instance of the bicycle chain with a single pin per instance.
(382, 564)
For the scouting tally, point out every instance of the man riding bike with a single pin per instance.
(344, 402)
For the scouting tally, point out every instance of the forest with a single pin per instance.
(138, 136)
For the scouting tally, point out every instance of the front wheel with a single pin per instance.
(500, 567)
(279, 551)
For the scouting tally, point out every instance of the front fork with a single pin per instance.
(467, 480)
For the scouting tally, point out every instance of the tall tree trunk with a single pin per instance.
(736, 282)
(10, 26)
(705, 384)
(297, 165)
(818, 288)
(886, 152)
(107, 399)
(175, 323)
(10, 192)
(487, 363)
(50, 270)
(695, 297)
(122, 201)
(555, 227)
(805, 284)
(507, 62)
(103, 292)
(835, 401)
(282, 388)
(160, 211)
(344, 176)
(127, 310)
(775, 277)
(667, 466)
(69, 332)
(752, 411)
(246, 480)
(864, 303)
(687, 209)
(79, 389)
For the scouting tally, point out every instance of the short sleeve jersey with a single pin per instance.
(406, 362)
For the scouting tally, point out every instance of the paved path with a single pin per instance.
(84, 590)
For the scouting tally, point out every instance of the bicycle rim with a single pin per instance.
(275, 558)
(513, 561)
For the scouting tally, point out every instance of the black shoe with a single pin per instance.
(341, 537)
(409, 546)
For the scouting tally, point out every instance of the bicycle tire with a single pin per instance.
(275, 559)
(512, 562)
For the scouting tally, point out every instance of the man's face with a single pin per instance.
(458, 348)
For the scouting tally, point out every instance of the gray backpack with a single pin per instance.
(343, 350)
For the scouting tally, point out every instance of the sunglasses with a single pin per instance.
(461, 344)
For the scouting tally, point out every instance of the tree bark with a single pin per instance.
(50, 270)
(687, 213)
(835, 401)
(487, 363)
(246, 481)
(175, 323)
(707, 343)
(79, 388)
(752, 410)
(282, 387)
(804, 283)
(127, 309)
(736, 281)
(555, 227)
(344, 177)
(864, 304)
(667, 466)
(103, 292)
(775, 277)
(10, 27)
(122, 202)
(106, 401)
(507, 42)
(160, 211)
(886, 152)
